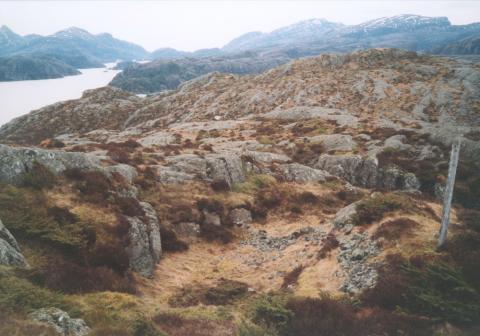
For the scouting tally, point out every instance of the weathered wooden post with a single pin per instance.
(448, 194)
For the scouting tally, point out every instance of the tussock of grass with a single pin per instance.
(374, 208)
(254, 183)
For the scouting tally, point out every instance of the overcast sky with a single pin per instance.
(191, 25)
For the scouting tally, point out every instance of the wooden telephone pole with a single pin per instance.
(447, 197)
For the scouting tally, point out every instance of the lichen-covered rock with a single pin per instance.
(265, 157)
(345, 216)
(335, 142)
(240, 217)
(393, 178)
(225, 167)
(212, 167)
(354, 258)
(145, 246)
(295, 172)
(154, 238)
(358, 170)
(187, 229)
(211, 218)
(141, 259)
(15, 161)
(61, 322)
(9, 250)
(365, 172)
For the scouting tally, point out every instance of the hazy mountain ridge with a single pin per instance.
(305, 38)
(26, 67)
(74, 46)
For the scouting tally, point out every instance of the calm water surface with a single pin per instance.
(20, 97)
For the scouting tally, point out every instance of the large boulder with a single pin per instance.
(335, 142)
(145, 246)
(155, 241)
(365, 172)
(16, 161)
(61, 322)
(9, 250)
(225, 167)
(345, 216)
(358, 170)
(295, 172)
(212, 167)
(240, 217)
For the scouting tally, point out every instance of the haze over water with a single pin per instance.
(20, 97)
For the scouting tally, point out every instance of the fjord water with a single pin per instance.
(20, 97)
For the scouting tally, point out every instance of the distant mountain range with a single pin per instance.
(60, 54)
(306, 38)
(25, 67)
(78, 48)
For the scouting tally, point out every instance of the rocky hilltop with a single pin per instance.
(27, 68)
(304, 200)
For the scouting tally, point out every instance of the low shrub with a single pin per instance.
(181, 213)
(425, 287)
(62, 215)
(220, 185)
(269, 312)
(93, 185)
(464, 249)
(19, 325)
(39, 177)
(306, 197)
(211, 205)
(323, 316)
(25, 213)
(470, 217)
(212, 232)
(170, 241)
(254, 183)
(142, 327)
(306, 153)
(225, 292)
(395, 229)
(374, 208)
(69, 277)
(176, 325)
(291, 278)
(309, 127)
(329, 243)
(23, 296)
(129, 206)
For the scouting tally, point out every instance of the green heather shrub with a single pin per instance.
(425, 287)
(21, 295)
(374, 208)
(291, 278)
(142, 327)
(249, 329)
(269, 312)
(223, 293)
(39, 177)
(26, 214)
(322, 316)
(441, 292)
(254, 183)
